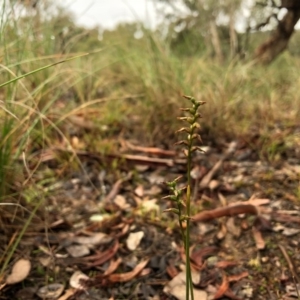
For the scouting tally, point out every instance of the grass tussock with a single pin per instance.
(139, 82)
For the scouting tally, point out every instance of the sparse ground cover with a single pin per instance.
(85, 146)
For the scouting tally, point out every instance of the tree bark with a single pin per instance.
(278, 42)
(233, 35)
(216, 41)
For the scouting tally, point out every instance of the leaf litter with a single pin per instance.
(245, 228)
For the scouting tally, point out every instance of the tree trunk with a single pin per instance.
(278, 42)
(216, 41)
(233, 35)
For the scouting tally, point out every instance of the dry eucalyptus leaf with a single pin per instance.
(278, 227)
(78, 250)
(121, 202)
(290, 231)
(45, 261)
(139, 190)
(113, 265)
(68, 293)
(177, 287)
(50, 291)
(19, 271)
(293, 290)
(154, 190)
(213, 184)
(222, 232)
(141, 168)
(259, 241)
(222, 199)
(154, 178)
(150, 205)
(196, 172)
(76, 278)
(134, 240)
(125, 277)
(95, 239)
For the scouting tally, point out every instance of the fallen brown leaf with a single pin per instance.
(93, 240)
(50, 291)
(19, 271)
(259, 241)
(150, 150)
(238, 277)
(67, 294)
(77, 279)
(222, 232)
(177, 287)
(123, 232)
(223, 264)
(222, 199)
(113, 265)
(198, 256)
(104, 256)
(280, 217)
(139, 191)
(145, 272)
(205, 216)
(129, 275)
(121, 202)
(223, 288)
(134, 240)
(252, 201)
(172, 271)
(78, 250)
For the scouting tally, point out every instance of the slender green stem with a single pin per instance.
(189, 282)
(181, 226)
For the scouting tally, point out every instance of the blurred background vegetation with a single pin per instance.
(130, 85)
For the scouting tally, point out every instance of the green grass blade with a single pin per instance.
(42, 68)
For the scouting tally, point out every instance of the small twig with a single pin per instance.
(136, 159)
(291, 267)
(150, 150)
(115, 189)
(207, 178)
(205, 216)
